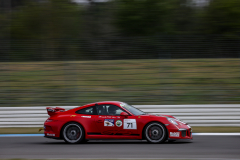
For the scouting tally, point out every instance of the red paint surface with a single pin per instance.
(95, 124)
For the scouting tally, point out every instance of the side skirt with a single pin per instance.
(53, 137)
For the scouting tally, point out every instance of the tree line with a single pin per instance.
(117, 29)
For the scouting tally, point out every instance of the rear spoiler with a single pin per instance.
(53, 111)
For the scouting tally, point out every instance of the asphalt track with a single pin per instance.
(201, 147)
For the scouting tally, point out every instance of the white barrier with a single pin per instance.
(195, 115)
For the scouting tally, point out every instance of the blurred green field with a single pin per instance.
(195, 130)
(145, 81)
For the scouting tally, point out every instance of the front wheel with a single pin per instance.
(155, 133)
(73, 133)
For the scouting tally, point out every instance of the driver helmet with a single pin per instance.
(111, 110)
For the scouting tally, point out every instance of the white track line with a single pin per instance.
(216, 134)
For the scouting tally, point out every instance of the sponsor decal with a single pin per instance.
(108, 117)
(118, 123)
(73, 116)
(86, 116)
(122, 104)
(118, 117)
(129, 124)
(174, 134)
(109, 122)
(139, 117)
(52, 135)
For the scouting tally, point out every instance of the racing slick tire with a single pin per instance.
(155, 133)
(73, 133)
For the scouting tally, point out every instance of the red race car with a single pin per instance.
(112, 120)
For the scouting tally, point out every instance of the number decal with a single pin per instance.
(129, 124)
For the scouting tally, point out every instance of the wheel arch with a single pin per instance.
(61, 133)
(143, 135)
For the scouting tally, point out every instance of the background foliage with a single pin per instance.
(61, 29)
(57, 52)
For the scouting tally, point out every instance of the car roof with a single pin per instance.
(109, 102)
(100, 103)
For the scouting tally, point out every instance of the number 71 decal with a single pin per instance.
(129, 124)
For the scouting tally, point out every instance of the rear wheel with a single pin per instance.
(155, 133)
(73, 133)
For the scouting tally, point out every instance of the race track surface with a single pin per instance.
(201, 147)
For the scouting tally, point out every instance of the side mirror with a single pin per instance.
(124, 114)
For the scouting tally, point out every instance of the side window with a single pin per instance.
(109, 110)
(101, 110)
(88, 110)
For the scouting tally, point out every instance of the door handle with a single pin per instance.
(99, 121)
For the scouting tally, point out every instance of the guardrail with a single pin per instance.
(195, 115)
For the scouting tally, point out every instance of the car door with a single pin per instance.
(110, 122)
(86, 117)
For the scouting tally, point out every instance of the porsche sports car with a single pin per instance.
(112, 120)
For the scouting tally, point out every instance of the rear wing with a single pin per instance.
(53, 111)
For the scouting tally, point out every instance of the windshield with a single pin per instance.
(132, 109)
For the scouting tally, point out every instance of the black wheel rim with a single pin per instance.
(73, 133)
(155, 133)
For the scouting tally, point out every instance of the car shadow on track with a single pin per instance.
(111, 142)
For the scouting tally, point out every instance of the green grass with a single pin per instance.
(195, 130)
(20, 131)
(177, 81)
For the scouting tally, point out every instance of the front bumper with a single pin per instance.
(179, 132)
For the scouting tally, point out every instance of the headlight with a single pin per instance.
(172, 121)
(178, 120)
